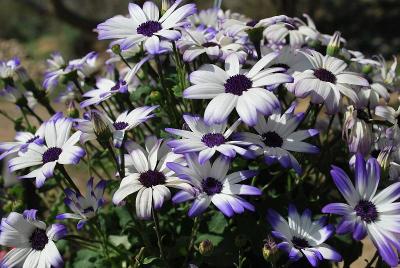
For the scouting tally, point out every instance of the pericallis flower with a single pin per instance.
(238, 89)
(210, 183)
(105, 89)
(22, 141)
(147, 173)
(326, 81)
(87, 65)
(389, 114)
(124, 122)
(277, 136)
(145, 25)
(207, 139)
(56, 66)
(84, 207)
(300, 236)
(18, 96)
(33, 244)
(58, 148)
(8, 68)
(367, 212)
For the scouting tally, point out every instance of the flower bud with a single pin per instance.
(366, 69)
(155, 96)
(206, 247)
(116, 49)
(165, 5)
(269, 249)
(101, 128)
(72, 111)
(333, 48)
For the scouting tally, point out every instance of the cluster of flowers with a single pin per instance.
(255, 74)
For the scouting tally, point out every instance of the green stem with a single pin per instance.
(68, 178)
(157, 230)
(195, 228)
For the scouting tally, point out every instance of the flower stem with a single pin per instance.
(195, 229)
(68, 178)
(157, 230)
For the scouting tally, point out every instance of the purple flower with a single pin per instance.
(84, 207)
(366, 211)
(303, 237)
(210, 183)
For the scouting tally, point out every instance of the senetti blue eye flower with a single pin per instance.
(277, 137)
(211, 184)
(33, 244)
(300, 236)
(144, 25)
(105, 89)
(9, 68)
(84, 207)
(367, 211)
(234, 88)
(207, 139)
(58, 148)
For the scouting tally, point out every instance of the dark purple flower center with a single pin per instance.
(362, 115)
(211, 186)
(32, 139)
(213, 139)
(151, 178)
(375, 153)
(366, 210)
(210, 44)
(237, 84)
(272, 139)
(299, 242)
(252, 23)
(88, 209)
(148, 28)
(39, 239)
(325, 75)
(118, 85)
(280, 65)
(52, 154)
(120, 125)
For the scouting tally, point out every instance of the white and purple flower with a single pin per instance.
(211, 184)
(303, 237)
(277, 136)
(207, 139)
(367, 211)
(33, 244)
(146, 26)
(234, 88)
(84, 207)
(58, 148)
(105, 89)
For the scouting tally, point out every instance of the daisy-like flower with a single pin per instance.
(370, 96)
(148, 174)
(105, 89)
(19, 97)
(276, 138)
(300, 236)
(58, 148)
(8, 68)
(145, 25)
(367, 212)
(235, 88)
(207, 139)
(87, 65)
(124, 122)
(33, 244)
(326, 81)
(212, 184)
(389, 114)
(56, 66)
(84, 207)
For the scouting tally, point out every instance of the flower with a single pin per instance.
(367, 212)
(234, 88)
(212, 184)
(9, 68)
(56, 66)
(207, 139)
(326, 81)
(148, 174)
(303, 237)
(98, 124)
(84, 207)
(389, 114)
(19, 97)
(33, 244)
(277, 137)
(145, 25)
(58, 148)
(105, 89)
(22, 141)
(356, 131)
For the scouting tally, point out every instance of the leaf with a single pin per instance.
(118, 240)
(217, 223)
(149, 260)
(215, 239)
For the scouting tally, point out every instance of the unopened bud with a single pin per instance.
(72, 111)
(165, 5)
(206, 247)
(155, 96)
(333, 47)
(366, 69)
(116, 49)
(101, 128)
(269, 249)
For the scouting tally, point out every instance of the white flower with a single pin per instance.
(20, 97)
(8, 68)
(33, 244)
(326, 81)
(105, 89)
(58, 148)
(148, 174)
(145, 25)
(235, 88)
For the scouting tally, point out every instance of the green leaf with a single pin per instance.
(215, 239)
(217, 223)
(149, 260)
(118, 240)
